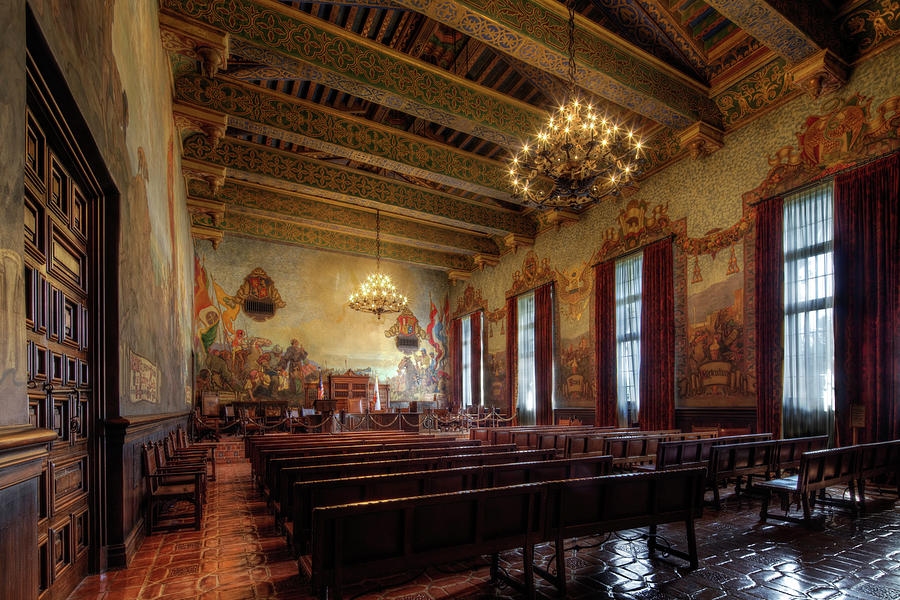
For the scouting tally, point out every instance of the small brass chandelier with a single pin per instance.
(579, 157)
(377, 294)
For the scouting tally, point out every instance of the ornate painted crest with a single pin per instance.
(258, 296)
(407, 331)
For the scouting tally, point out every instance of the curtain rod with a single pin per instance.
(830, 177)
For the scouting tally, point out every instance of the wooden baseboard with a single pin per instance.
(119, 556)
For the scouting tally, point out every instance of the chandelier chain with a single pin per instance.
(377, 239)
(572, 70)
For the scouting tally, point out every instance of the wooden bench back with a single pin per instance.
(615, 502)
(389, 536)
(289, 476)
(679, 453)
(734, 460)
(278, 464)
(879, 458)
(788, 451)
(313, 494)
(823, 468)
(265, 456)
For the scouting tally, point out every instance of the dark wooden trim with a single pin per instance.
(125, 481)
(22, 436)
(726, 418)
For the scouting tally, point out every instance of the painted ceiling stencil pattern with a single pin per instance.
(299, 119)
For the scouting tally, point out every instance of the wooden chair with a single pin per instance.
(166, 488)
(203, 427)
(177, 468)
(178, 449)
(249, 424)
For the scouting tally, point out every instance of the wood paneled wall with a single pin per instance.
(127, 489)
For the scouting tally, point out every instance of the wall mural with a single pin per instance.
(846, 133)
(287, 358)
(715, 327)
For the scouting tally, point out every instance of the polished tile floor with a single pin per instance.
(239, 555)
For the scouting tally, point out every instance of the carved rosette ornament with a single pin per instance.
(820, 74)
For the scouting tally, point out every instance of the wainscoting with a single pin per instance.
(723, 418)
(126, 486)
(23, 454)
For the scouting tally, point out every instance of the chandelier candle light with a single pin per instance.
(377, 294)
(585, 155)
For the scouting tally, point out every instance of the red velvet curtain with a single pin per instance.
(867, 299)
(605, 342)
(475, 319)
(657, 378)
(543, 355)
(512, 351)
(769, 279)
(455, 364)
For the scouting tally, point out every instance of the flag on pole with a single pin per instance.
(320, 394)
(377, 395)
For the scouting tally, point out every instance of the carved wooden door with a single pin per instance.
(60, 373)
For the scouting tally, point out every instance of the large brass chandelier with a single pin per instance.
(579, 157)
(377, 294)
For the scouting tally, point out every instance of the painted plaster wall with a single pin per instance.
(13, 407)
(699, 197)
(111, 57)
(248, 356)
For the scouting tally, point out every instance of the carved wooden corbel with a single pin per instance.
(213, 175)
(204, 44)
(701, 139)
(819, 74)
(211, 234)
(210, 123)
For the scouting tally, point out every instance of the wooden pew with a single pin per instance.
(583, 507)
(308, 440)
(788, 451)
(735, 461)
(292, 475)
(695, 453)
(876, 460)
(353, 542)
(265, 456)
(330, 492)
(274, 484)
(818, 470)
(252, 443)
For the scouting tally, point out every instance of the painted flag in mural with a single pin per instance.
(320, 392)
(206, 315)
(377, 395)
(435, 332)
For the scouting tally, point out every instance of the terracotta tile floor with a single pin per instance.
(239, 554)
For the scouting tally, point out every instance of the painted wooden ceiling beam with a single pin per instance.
(248, 198)
(286, 39)
(279, 230)
(535, 32)
(318, 127)
(293, 172)
(795, 30)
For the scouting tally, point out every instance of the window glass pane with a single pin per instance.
(526, 367)
(466, 335)
(808, 396)
(628, 336)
